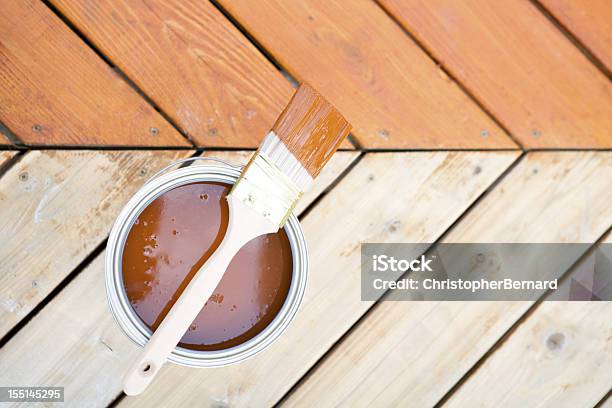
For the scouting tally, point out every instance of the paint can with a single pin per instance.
(214, 170)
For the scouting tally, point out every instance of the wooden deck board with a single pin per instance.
(588, 20)
(414, 352)
(56, 90)
(381, 191)
(561, 356)
(391, 92)
(191, 62)
(562, 349)
(519, 65)
(61, 204)
(89, 339)
(72, 334)
(217, 87)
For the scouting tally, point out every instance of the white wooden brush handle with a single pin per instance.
(244, 225)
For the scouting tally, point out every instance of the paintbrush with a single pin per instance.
(301, 142)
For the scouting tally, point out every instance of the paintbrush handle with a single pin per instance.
(244, 225)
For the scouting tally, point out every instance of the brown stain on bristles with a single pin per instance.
(311, 128)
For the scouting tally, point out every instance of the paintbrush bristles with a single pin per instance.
(311, 129)
(304, 138)
(279, 154)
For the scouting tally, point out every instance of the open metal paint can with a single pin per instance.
(214, 170)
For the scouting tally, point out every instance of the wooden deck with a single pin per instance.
(474, 121)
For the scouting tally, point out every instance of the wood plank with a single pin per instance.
(337, 165)
(589, 21)
(55, 90)
(561, 356)
(80, 339)
(414, 352)
(62, 205)
(192, 62)
(523, 69)
(387, 87)
(57, 344)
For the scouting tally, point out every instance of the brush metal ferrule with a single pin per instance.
(266, 189)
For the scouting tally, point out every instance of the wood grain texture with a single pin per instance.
(560, 357)
(89, 351)
(56, 207)
(588, 20)
(390, 91)
(412, 353)
(380, 191)
(337, 165)
(519, 65)
(192, 62)
(55, 90)
(66, 344)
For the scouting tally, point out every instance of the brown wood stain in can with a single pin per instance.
(171, 240)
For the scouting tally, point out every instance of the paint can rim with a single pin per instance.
(126, 317)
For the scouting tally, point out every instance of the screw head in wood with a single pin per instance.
(555, 341)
